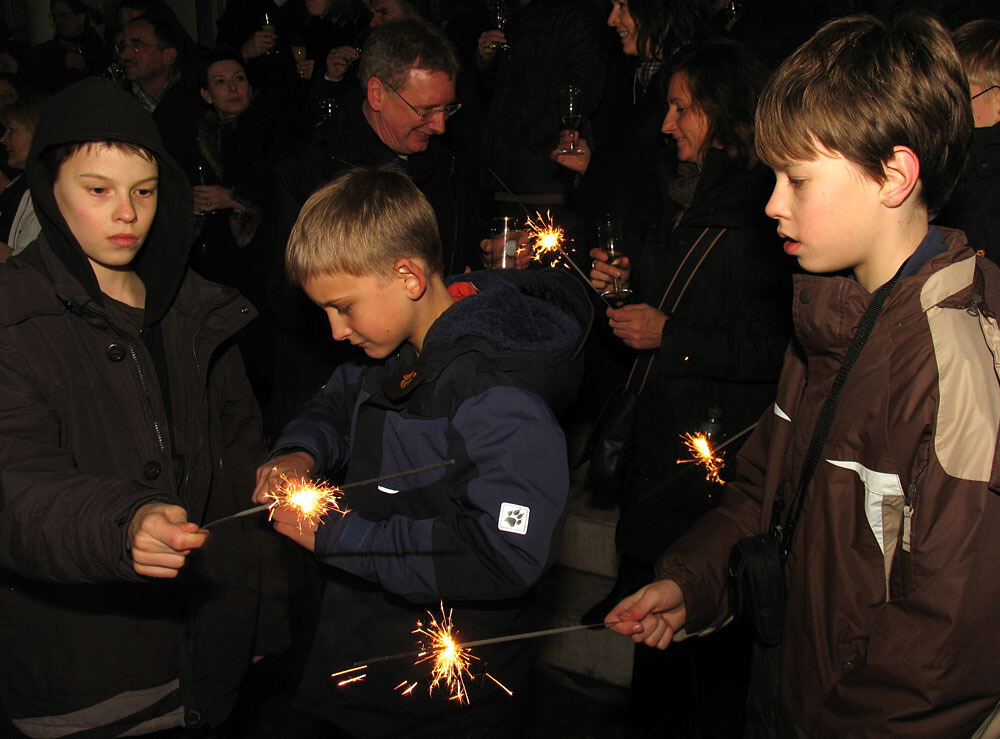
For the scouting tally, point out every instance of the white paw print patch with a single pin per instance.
(514, 518)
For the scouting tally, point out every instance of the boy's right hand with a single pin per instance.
(160, 538)
(288, 466)
(651, 615)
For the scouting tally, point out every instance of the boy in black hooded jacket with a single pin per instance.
(126, 421)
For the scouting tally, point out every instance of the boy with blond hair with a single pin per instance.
(466, 368)
(874, 483)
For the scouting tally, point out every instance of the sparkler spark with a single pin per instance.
(702, 453)
(547, 237)
(353, 678)
(310, 499)
(449, 660)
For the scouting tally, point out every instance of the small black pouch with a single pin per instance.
(757, 585)
(611, 437)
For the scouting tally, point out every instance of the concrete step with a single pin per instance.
(595, 653)
(588, 540)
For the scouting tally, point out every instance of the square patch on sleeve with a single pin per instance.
(514, 518)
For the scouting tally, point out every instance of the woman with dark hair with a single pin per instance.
(238, 137)
(708, 327)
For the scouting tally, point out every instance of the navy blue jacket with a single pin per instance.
(477, 534)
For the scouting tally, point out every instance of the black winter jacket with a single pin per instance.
(722, 347)
(97, 421)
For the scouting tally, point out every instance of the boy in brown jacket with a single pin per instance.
(888, 545)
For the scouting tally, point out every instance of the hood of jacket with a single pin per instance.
(530, 325)
(96, 110)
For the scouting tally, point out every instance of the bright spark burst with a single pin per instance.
(450, 661)
(547, 238)
(703, 454)
(310, 499)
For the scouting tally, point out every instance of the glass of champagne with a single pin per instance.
(504, 231)
(569, 115)
(500, 16)
(267, 24)
(609, 239)
(299, 52)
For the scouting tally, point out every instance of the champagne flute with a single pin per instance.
(570, 116)
(267, 24)
(500, 17)
(609, 238)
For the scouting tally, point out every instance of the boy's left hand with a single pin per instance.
(286, 522)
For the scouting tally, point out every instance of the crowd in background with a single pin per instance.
(698, 318)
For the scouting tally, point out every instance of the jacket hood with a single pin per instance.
(531, 325)
(97, 110)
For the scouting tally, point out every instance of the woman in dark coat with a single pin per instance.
(713, 350)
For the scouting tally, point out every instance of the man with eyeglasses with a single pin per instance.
(150, 52)
(975, 205)
(407, 74)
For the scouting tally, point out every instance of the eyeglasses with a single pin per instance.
(446, 110)
(983, 92)
(136, 45)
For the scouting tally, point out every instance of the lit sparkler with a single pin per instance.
(302, 498)
(547, 240)
(309, 499)
(702, 453)
(449, 660)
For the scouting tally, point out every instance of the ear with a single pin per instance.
(376, 94)
(205, 96)
(414, 278)
(170, 55)
(902, 174)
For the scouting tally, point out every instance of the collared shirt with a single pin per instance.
(149, 102)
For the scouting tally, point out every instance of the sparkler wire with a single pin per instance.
(491, 640)
(348, 486)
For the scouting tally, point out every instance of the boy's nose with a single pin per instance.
(339, 329)
(125, 210)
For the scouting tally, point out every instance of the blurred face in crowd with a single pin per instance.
(395, 115)
(318, 8)
(621, 20)
(8, 93)
(68, 24)
(386, 11)
(686, 122)
(17, 140)
(985, 104)
(144, 58)
(227, 88)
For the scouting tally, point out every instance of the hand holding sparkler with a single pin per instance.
(160, 537)
(652, 615)
(272, 475)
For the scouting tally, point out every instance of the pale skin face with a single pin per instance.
(228, 89)
(396, 123)
(107, 197)
(886, 222)
(985, 104)
(621, 20)
(685, 121)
